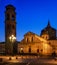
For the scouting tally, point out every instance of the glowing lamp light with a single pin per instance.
(12, 38)
(21, 48)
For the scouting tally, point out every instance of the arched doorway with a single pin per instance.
(29, 49)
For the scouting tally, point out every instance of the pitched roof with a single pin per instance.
(29, 33)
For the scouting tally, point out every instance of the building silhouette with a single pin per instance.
(45, 44)
(10, 27)
(10, 22)
(10, 30)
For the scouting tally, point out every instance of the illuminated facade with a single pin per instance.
(45, 44)
(33, 43)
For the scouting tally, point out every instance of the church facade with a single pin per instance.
(45, 44)
(33, 43)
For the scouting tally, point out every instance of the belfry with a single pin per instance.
(10, 28)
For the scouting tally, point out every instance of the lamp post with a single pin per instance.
(12, 39)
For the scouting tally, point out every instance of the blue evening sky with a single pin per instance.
(31, 15)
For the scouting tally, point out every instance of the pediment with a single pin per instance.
(29, 33)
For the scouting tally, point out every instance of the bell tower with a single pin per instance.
(10, 22)
(10, 29)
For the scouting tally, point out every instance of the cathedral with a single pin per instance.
(43, 44)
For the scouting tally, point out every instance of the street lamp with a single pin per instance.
(12, 38)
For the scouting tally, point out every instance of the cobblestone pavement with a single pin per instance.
(27, 60)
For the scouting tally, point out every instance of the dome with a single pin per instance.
(49, 31)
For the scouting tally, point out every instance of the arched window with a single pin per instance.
(29, 49)
(37, 50)
(32, 39)
(13, 17)
(27, 39)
